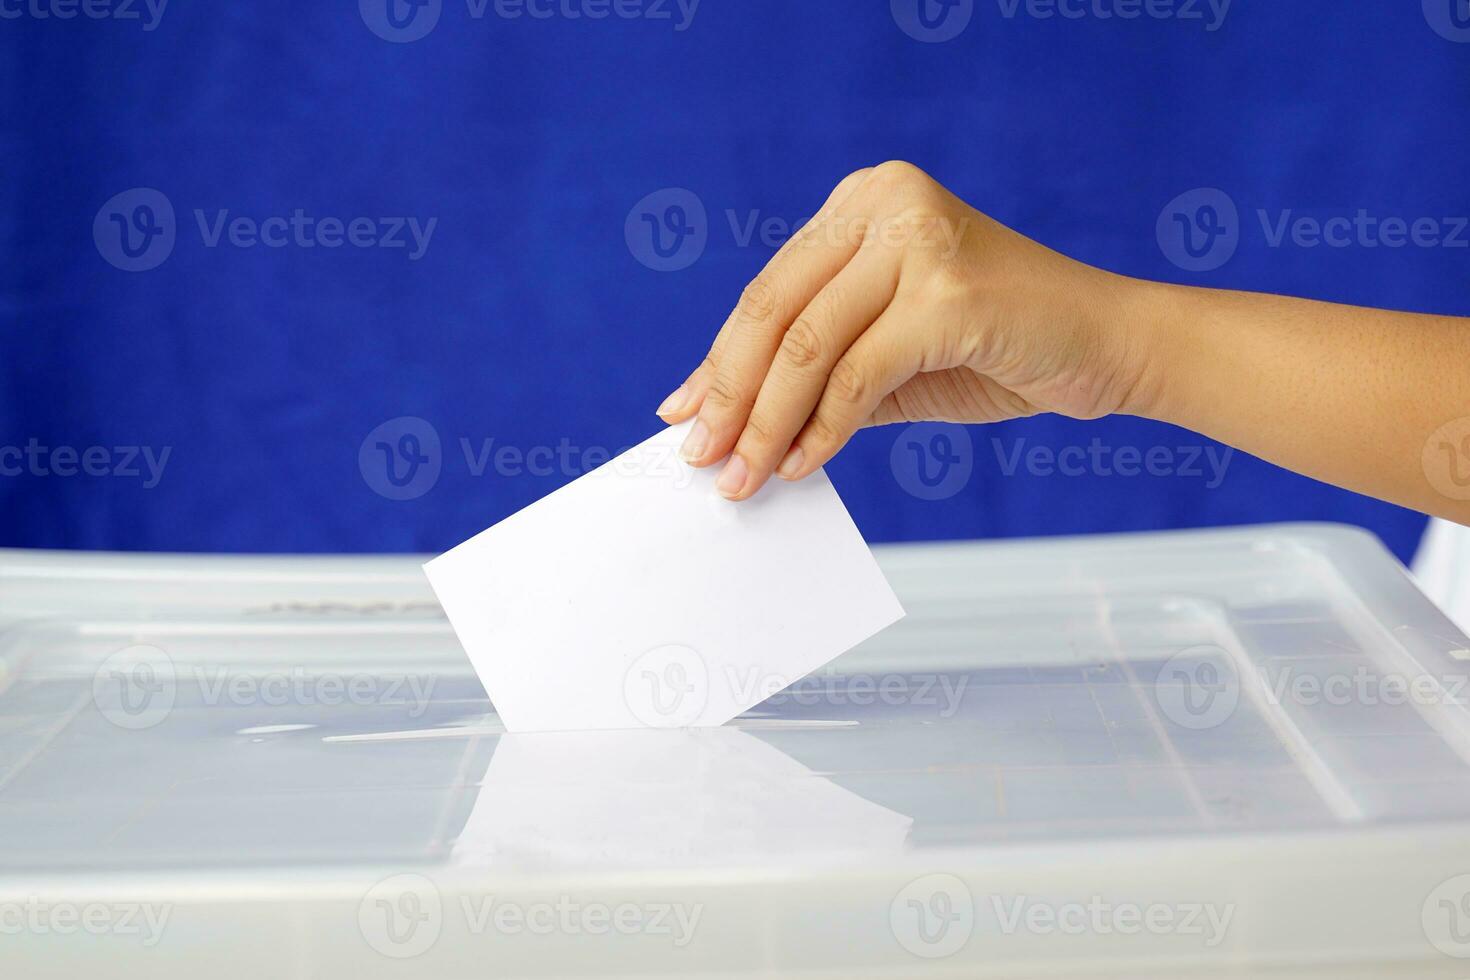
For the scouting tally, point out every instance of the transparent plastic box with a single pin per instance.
(1240, 753)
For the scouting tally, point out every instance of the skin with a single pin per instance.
(898, 302)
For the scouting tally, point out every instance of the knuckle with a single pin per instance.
(852, 180)
(944, 279)
(909, 231)
(821, 434)
(802, 345)
(918, 221)
(723, 393)
(757, 301)
(847, 384)
(895, 174)
(759, 431)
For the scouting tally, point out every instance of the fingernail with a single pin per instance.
(732, 477)
(674, 402)
(695, 442)
(791, 464)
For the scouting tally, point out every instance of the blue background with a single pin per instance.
(530, 320)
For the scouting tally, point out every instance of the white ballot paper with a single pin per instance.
(637, 596)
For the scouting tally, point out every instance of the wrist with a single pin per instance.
(1157, 324)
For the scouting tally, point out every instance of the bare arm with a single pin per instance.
(899, 302)
(1371, 400)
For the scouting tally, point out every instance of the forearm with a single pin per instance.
(1370, 400)
(843, 330)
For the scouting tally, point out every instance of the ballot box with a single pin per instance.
(1232, 753)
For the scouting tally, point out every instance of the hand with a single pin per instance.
(898, 303)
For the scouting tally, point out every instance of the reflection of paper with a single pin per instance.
(715, 795)
(638, 597)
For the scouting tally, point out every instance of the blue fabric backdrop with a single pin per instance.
(273, 362)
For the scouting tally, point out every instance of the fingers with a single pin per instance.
(878, 362)
(803, 363)
(950, 395)
(840, 196)
(748, 344)
(687, 399)
(894, 406)
(929, 396)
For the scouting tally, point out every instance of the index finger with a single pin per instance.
(689, 396)
(767, 308)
